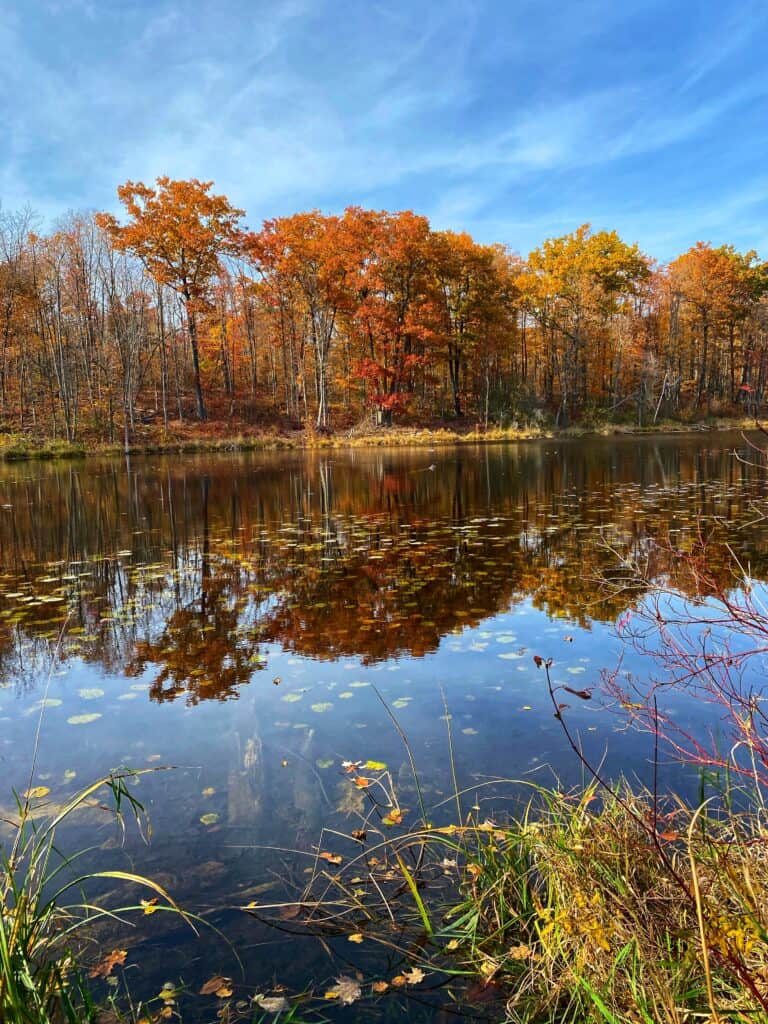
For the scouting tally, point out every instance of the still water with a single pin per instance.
(256, 620)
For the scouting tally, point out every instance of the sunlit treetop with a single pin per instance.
(178, 229)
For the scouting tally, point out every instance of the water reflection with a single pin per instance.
(192, 566)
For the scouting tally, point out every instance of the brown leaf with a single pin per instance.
(104, 967)
(361, 782)
(290, 912)
(379, 986)
(213, 985)
(332, 858)
(360, 835)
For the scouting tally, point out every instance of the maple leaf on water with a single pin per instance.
(346, 990)
(104, 967)
(410, 977)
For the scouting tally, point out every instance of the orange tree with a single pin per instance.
(179, 231)
(392, 314)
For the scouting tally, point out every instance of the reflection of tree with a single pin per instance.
(190, 566)
(201, 650)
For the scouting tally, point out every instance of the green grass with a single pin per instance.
(46, 911)
(583, 910)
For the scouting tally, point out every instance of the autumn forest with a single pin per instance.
(177, 313)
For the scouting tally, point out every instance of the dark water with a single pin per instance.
(246, 619)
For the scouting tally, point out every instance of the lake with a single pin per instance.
(256, 620)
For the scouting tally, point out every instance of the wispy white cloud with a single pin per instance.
(475, 111)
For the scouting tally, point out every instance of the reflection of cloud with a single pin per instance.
(492, 117)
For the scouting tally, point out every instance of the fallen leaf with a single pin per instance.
(37, 792)
(105, 967)
(347, 990)
(332, 858)
(379, 986)
(356, 937)
(414, 976)
(209, 819)
(213, 985)
(272, 1004)
(521, 952)
(375, 766)
(361, 782)
(290, 912)
(149, 906)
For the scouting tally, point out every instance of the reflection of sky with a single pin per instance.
(542, 511)
(501, 715)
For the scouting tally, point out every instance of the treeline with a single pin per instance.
(180, 313)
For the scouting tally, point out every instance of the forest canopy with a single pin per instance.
(176, 311)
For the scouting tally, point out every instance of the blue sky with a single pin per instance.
(513, 120)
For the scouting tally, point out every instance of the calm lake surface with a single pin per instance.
(247, 618)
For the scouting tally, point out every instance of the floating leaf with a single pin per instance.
(272, 1004)
(90, 693)
(213, 985)
(291, 698)
(361, 782)
(346, 990)
(83, 719)
(379, 986)
(37, 792)
(356, 937)
(375, 766)
(105, 967)
(149, 906)
(322, 706)
(209, 819)
(332, 858)
(208, 791)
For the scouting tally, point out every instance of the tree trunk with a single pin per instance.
(192, 324)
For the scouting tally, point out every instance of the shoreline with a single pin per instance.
(14, 449)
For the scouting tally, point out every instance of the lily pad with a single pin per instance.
(83, 719)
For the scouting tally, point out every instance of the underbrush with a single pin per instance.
(588, 908)
(14, 448)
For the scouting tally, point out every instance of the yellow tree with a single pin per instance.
(573, 286)
(180, 232)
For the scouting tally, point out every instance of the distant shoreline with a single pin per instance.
(15, 449)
